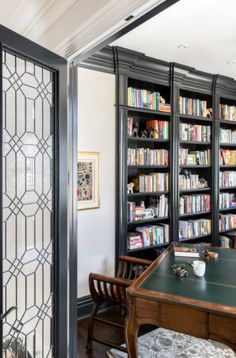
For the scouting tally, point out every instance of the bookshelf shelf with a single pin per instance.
(182, 216)
(233, 145)
(225, 121)
(194, 238)
(227, 209)
(229, 230)
(147, 221)
(195, 166)
(149, 247)
(228, 166)
(147, 140)
(199, 190)
(148, 193)
(228, 188)
(145, 111)
(148, 166)
(192, 142)
(194, 118)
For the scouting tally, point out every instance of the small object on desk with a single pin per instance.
(179, 270)
(210, 254)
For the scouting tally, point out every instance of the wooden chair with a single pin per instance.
(113, 289)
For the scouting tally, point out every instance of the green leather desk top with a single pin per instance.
(217, 286)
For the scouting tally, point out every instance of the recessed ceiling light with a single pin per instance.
(231, 62)
(185, 45)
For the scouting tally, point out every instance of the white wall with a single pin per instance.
(96, 133)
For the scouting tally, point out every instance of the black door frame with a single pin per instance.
(28, 49)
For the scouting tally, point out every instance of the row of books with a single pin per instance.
(192, 228)
(136, 212)
(149, 235)
(227, 222)
(194, 132)
(191, 106)
(143, 98)
(146, 156)
(227, 136)
(191, 181)
(227, 178)
(194, 157)
(153, 182)
(227, 157)
(228, 112)
(227, 200)
(191, 204)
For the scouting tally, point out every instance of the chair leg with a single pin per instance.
(91, 325)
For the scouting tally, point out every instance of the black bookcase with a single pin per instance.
(173, 81)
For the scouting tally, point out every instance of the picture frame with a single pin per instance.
(88, 190)
(191, 159)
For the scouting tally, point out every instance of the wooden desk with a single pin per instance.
(203, 307)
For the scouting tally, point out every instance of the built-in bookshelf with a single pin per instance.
(148, 165)
(176, 154)
(194, 121)
(226, 103)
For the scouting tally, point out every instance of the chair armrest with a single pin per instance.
(104, 287)
(135, 260)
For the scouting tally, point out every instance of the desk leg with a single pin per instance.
(131, 329)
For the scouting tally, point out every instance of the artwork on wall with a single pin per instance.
(88, 180)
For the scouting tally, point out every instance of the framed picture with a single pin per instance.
(88, 181)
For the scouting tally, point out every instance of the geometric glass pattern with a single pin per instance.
(28, 208)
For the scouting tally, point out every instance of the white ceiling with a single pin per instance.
(70, 26)
(208, 26)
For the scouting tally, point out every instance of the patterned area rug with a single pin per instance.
(163, 343)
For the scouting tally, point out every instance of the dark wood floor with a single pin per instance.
(103, 331)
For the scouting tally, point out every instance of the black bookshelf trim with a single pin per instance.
(149, 247)
(198, 190)
(193, 142)
(147, 221)
(144, 110)
(148, 193)
(194, 214)
(194, 237)
(148, 140)
(227, 209)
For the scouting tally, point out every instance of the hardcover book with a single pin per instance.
(186, 251)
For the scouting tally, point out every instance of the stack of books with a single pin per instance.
(185, 251)
(193, 228)
(192, 204)
(154, 234)
(228, 112)
(194, 132)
